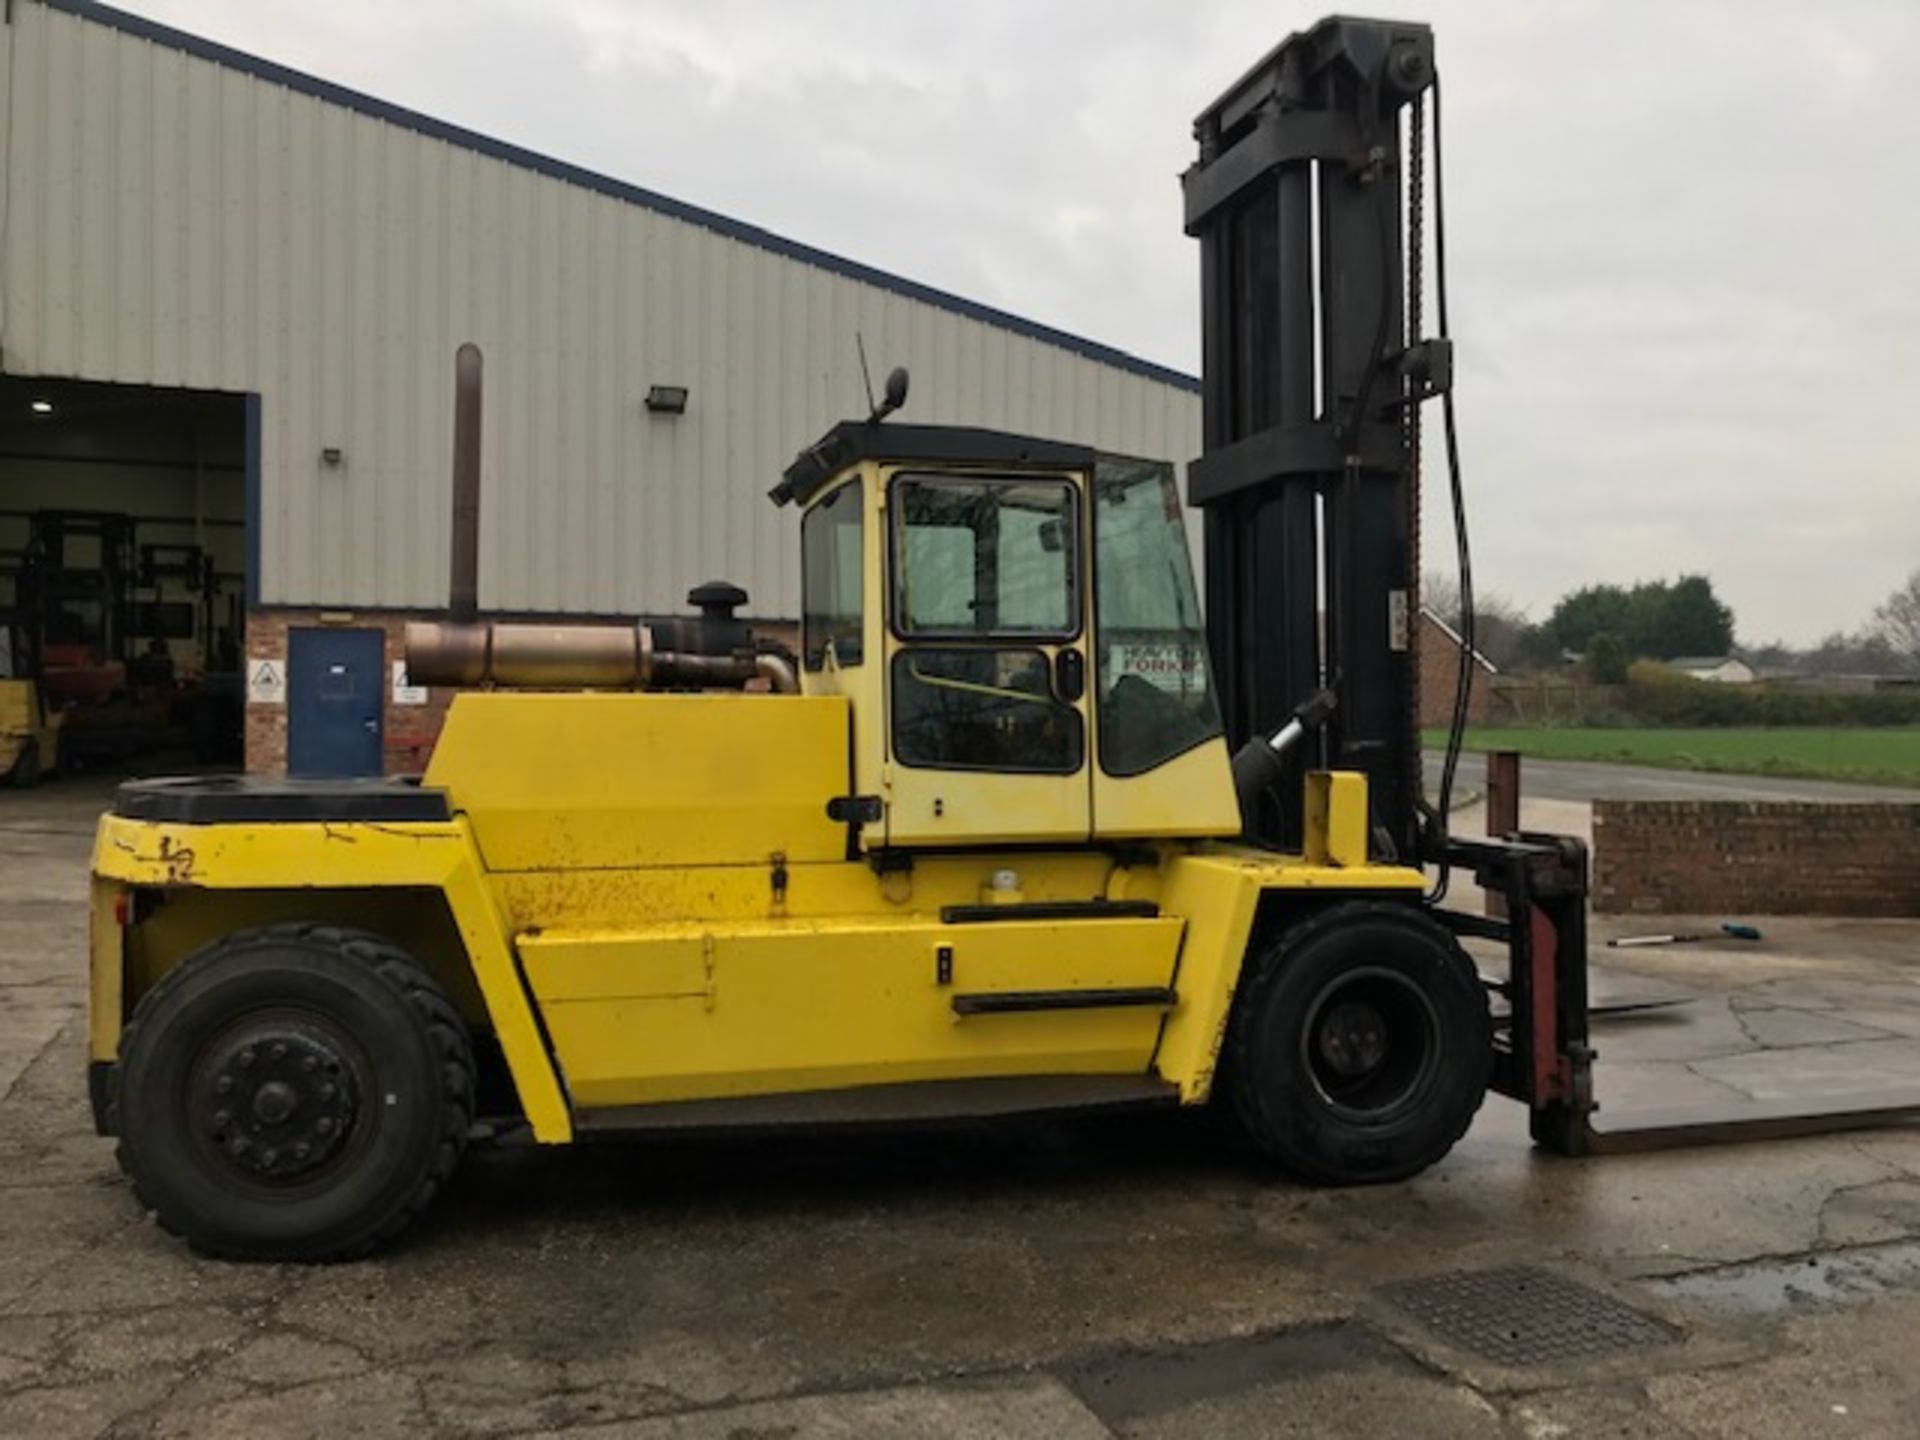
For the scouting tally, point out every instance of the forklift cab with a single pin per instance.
(1016, 626)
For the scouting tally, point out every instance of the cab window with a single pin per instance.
(984, 556)
(832, 606)
(981, 709)
(1154, 694)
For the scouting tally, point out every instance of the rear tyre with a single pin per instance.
(26, 766)
(1360, 1047)
(294, 1092)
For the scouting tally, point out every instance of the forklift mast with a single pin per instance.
(1309, 478)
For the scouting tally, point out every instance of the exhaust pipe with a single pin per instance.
(464, 592)
(714, 650)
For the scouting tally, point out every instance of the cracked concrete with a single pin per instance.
(1104, 1277)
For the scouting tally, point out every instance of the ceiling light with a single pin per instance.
(40, 407)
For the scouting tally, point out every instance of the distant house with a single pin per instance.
(1721, 669)
(1440, 646)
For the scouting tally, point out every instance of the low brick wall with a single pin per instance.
(408, 730)
(1735, 858)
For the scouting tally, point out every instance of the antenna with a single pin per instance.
(860, 342)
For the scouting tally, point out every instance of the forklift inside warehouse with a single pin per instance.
(123, 577)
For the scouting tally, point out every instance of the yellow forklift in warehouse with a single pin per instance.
(1015, 833)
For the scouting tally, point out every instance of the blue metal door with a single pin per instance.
(335, 683)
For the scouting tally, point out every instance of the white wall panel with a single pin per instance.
(193, 219)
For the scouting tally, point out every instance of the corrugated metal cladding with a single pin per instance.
(181, 215)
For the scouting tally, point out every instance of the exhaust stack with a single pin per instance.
(464, 600)
(713, 650)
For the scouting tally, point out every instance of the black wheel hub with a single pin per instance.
(1371, 1045)
(275, 1100)
(1353, 1038)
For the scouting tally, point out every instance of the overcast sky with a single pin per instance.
(1685, 236)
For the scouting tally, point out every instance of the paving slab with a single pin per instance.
(1025, 1409)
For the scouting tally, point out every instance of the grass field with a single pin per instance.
(1888, 756)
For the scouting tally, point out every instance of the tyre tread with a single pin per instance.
(1245, 1096)
(415, 986)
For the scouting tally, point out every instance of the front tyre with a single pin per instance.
(1360, 1047)
(293, 1092)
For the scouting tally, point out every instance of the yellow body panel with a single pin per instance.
(441, 857)
(955, 807)
(1219, 889)
(106, 970)
(23, 721)
(1190, 795)
(706, 1011)
(19, 708)
(604, 781)
(1336, 818)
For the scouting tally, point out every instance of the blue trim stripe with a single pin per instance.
(254, 519)
(305, 84)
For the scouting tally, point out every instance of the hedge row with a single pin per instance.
(1658, 695)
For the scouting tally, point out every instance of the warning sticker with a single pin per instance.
(266, 682)
(405, 692)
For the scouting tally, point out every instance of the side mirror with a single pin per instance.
(896, 395)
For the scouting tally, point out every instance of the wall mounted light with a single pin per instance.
(40, 407)
(332, 457)
(667, 399)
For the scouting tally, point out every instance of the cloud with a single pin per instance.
(1684, 288)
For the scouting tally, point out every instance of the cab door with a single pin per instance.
(986, 659)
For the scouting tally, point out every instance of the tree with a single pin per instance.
(1898, 621)
(1591, 611)
(1689, 620)
(1654, 620)
(1607, 660)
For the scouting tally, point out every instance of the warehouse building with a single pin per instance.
(230, 297)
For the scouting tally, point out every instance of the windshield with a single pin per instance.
(1156, 696)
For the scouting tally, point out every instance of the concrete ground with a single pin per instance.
(1057, 1280)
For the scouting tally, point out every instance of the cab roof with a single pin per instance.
(852, 441)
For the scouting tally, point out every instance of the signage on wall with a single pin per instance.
(404, 692)
(266, 682)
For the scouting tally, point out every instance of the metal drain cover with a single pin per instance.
(1520, 1315)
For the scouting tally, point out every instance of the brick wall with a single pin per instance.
(1735, 858)
(409, 731)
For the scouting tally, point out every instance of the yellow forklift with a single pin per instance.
(29, 732)
(1015, 831)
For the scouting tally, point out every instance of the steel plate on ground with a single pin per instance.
(1521, 1315)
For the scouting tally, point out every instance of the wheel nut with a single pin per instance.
(238, 1145)
(309, 1064)
(327, 1092)
(246, 1058)
(223, 1085)
(302, 1150)
(323, 1126)
(222, 1119)
(269, 1155)
(280, 1052)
